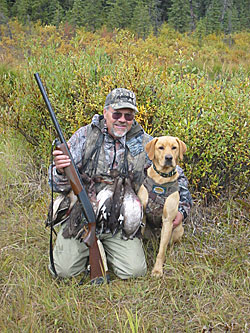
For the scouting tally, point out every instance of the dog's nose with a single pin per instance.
(168, 159)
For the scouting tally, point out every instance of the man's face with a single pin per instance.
(119, 122)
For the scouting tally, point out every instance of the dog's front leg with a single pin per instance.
(166, 233)
(169, 212)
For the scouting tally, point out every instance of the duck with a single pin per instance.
(62, 207)
(132, 212)
(119, 207)
(109, 202)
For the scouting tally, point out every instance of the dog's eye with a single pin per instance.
(173, 148)
(161, 148)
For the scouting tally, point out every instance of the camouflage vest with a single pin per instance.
(157, 195)
(94, 161)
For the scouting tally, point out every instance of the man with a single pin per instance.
(113, 141)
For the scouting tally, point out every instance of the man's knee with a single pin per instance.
(138, 270)
(66, 271)
(131, 270)
(70, 256)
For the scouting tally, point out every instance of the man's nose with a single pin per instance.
(122, 118)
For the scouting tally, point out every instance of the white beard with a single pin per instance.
(119, 134)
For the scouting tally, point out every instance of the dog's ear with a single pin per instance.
(182, 148)
(150, 148)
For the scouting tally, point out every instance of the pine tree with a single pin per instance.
(193, 16)
(93, 14)
(39, 10)
(230, 17)
(141, 22)
(55, 13)
(179, 15)
(243, 11)
(120, 13)
(213, 17)
(165, 6)
(202, 6)
(66, 4)
(22, 10)
(76, 14)
(4, 8)
(155, 14)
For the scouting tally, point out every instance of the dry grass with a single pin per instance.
(205, 287)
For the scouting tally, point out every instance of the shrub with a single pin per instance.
(209, 111)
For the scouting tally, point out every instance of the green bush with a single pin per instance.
(175, 97)
(212, 118)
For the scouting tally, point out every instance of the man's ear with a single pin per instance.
(150, 148)
(182, 148)
(104, 113)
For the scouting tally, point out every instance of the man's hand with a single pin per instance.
(178, 219)
(61, 161)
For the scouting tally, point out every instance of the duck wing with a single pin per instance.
(60, 207)
(104, 202)
(115, 218)
(76, 224)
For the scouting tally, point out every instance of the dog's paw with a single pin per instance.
(157, 272)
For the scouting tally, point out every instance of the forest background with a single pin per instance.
(189, 64)
(140, 16)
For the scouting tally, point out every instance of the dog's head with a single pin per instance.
(165, 151)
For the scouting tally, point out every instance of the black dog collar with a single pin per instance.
(165, 175)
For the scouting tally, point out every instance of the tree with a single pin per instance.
(192, 15)
(141, 22)
(120, 13)
(213, 17)
(76, 14)
(230, 19)
(202, 6)
(179, 15)
(4, 8)
(20, 10)
(243, 11)
(66, 4)
(55, 12)
(165, 6)
(93, 14)
(155, 14)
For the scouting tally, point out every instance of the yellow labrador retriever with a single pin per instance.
(159, 193)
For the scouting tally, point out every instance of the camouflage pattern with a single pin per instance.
(112, 156)
(121, 98)
(186, 201)
(157, 195)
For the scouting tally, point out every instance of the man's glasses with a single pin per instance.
(117, 115)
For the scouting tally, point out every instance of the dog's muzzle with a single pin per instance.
(168, 160)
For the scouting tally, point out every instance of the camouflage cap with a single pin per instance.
(120, 98)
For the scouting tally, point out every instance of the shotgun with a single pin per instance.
(97, 271)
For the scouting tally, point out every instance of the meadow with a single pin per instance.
(195, 88)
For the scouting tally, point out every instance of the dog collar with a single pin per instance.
(165, 175)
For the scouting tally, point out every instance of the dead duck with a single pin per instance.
(109, 203)
(62, 207)
(131, 210)
(119, 207)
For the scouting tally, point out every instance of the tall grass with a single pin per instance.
(205, 287)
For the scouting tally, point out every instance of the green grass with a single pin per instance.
(205, 287)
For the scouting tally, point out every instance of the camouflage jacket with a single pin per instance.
(113, 153)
